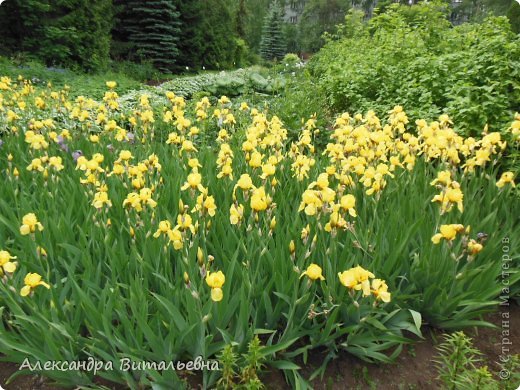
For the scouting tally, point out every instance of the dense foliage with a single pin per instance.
(180, 35)
(150, 31)
(318, 18)
(72, 33)
(413, 57)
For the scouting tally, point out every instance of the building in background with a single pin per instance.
(293, 11)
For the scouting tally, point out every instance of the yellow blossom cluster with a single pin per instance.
(355, 279)
(515, 128)
(6, 265)
(254, 160)
(447, 232)
(451, 193)
(471, 247)
(215, 280)
(359, 279)
(30, 225)
(174, 235)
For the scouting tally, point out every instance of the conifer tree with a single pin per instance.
(273, 45)
(257, 10)
(149, 30)
(124, 21)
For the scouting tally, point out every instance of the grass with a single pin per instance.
(129, 77)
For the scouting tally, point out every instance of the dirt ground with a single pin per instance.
(414, 369)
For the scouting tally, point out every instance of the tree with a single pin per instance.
(219, 35)
(477, 10)
(149, 30)
(20, 23)
(208, 37)
(514, 17)
(59, 34)
(273, 45)
(292, 37)
(241, 17)
(367, 6)
(242, 55)
(192, 37)
(257, 10)
(81, 21)
(122, 48)
(320, 16)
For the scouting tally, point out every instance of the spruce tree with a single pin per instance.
(273, 45)
(124, 21)
(153, 28)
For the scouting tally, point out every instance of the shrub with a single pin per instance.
(59, 34)
(411, 56)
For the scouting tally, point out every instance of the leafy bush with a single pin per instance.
(70, 33)
(298, 100)
(142, 72)
(411, 56)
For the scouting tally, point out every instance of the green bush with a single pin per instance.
(298, 101)
(412, 56)
(68, 33)
(291, 59)
(142, 72)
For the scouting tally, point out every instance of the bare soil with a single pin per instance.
(413, 369)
